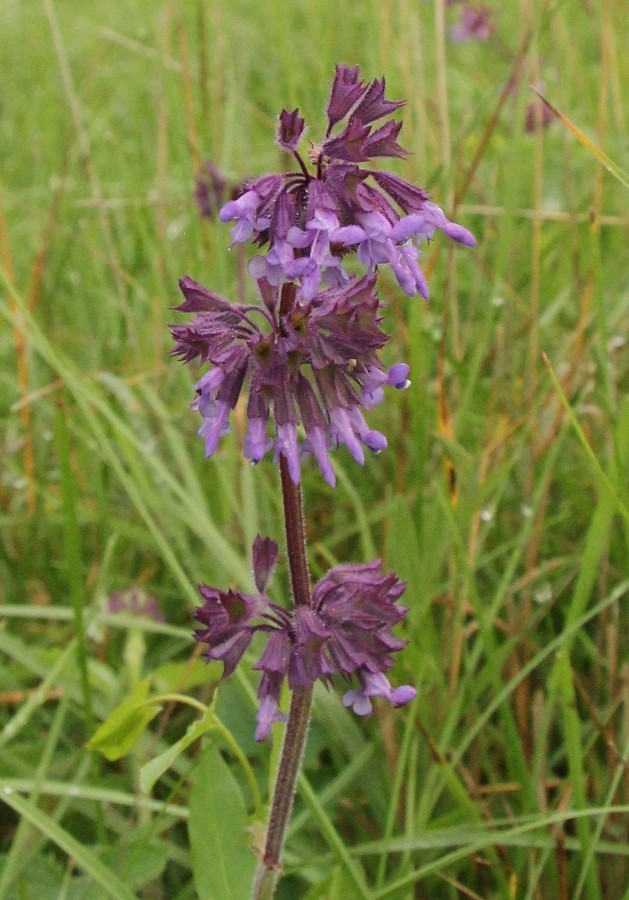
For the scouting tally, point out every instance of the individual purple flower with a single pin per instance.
(245, 211)
(304, 365)
(312, 218)
(345, 632)
(224, 617)
(377, 686)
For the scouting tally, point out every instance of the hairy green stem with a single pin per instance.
(301, 702)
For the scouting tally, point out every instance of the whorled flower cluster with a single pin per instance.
(346, 632)
(311, 218)
(310, 364)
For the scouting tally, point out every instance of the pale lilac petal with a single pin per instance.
(267, 715)
(297, 237)
(257, 442)
(286, 444)
(408, 272)
(210, 381)
(360, 703)
(317, 444)
(348, 234)
(403, 695)
(215, 426)
(372, 439)
(343, 431)
(246, 205)
(371, 398)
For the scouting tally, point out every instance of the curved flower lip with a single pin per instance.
(267, 715)
(408, 272)
(397, 376)
(377, 686)
(425, 222)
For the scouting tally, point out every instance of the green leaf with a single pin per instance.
(351, 867)
(138, 858)
(222, 862)
(83, 857)
(121, 729)
(41, 880)
(337, 886)
(156, 767)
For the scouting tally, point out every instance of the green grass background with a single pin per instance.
(502, 498)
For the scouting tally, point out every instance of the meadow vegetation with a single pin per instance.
(502, 499)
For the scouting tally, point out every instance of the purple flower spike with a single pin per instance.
(346, 632)
(312, 218)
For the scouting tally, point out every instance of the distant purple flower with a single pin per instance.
(538, 115)
(210, 190)
(475, 24)
(311, 219)
(346, 632)
(302, 364)
(135, 602)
